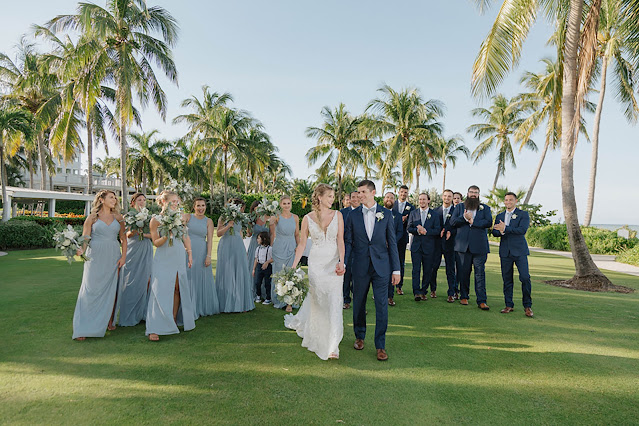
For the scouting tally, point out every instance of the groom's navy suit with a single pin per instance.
(471, 247)
(372, 262)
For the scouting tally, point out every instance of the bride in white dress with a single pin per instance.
(319, 321)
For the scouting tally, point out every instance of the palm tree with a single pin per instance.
(419, 156)
(14, 123)
(302, 191)
(145, 157)
(613, 50)
(125, 31)
(502, 120)
(336, 142)
(495, 198)
(498, 54)
(370, 134)
(447, 152)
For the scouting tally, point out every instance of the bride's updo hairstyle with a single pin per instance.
(319, 191)
(98, 202)
(162, 199)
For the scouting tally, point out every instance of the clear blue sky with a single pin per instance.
(284, 60)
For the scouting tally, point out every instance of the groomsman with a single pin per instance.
(346, 201)
(426, 226)
(389, 203)
(458, 197)
(471, 219)
(447, 247)
(511, 226)
(404, 207)
(354, 202)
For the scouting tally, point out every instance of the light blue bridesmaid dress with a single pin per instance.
(283, 251)
(203, 293)
(99, 281)
(233, 279)
(169, 263)
(136, 274)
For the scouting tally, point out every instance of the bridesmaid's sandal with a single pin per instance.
(154, 337)
(80, 339)
(289, 308)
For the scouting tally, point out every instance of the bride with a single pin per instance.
(319, 321)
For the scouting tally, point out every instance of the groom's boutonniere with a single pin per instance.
(407, 208)
(448, 215)
(379, 216)
(481, 207)
(514, 216)
(428, 216)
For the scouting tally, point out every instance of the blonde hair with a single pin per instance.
(135, 197)
(285, 197)
(98, 202)
(164, 195)
(319, 191)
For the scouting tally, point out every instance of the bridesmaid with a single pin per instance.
(95, 307)
(285, 235)
(136, 273)
(233, 279)
(200, 274)
(260, 225)
(170, 292)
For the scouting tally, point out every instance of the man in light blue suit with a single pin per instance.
(511, 226)
(389, 203)
(371, 247)
(426, 226)
(471, 219)
(353, 201)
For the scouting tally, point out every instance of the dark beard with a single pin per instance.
(471, 203)
(389, 206)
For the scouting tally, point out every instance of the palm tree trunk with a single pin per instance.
(211, 184)
(339, 191)
(143, 179)
(89, 157)
(541, 163)
(30, 170)
(417, 173)
(595, 145)
(585, 269)
(6, 205)
(123, 184)
(225, 175)
(496, 178)
(444, 183)
(43, 163)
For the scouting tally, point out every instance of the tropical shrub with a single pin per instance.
(24, 235)
(599, 241)
(630, 256)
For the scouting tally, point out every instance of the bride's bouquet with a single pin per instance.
(138, 221)
(171, 225)
(233, 212)
(70, 241)
(267, 208)
(291, 286)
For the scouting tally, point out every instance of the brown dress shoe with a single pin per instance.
(507, 310)
(529, 312)
(418, 298)
(347, 305)
(456, 296)
(400, 292)
(433, 295)
(391, 302)
(463, 301)
(423, 297)
(450, 299)
(483, 307)
(359, 344)
(382, 355)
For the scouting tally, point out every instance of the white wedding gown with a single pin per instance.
(319, 321)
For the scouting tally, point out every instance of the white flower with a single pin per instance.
(66, 243)
(448, 215)
(514, 216)
(481, 207)
(379, 216)
(407, 208)
(69, 233)
(428, 216)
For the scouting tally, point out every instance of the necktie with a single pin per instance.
(508, 216)
(423, 217)
(446, 209)
(368, 223)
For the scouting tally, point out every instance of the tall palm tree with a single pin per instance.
(613, 50)
(501, 122)
(447, 151)
(336, 142)
(126, 33)
(370, 134)
(145, 157)
(302, 191)
(14, 123)
(419, 156)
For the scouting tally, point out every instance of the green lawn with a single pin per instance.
(576, 362)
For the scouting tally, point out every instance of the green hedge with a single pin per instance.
(24, 235)
(50, 221)
(599, 241)
(630, 256)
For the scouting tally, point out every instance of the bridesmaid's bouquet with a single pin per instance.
(233, 212)
(291, 286)
(171, 225)
(70, 241)
(267, 208)
(138, 221)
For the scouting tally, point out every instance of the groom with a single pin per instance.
(371, 247)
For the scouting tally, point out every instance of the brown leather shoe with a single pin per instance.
(423, 297)
(456, 295)
(382, 355)
(463, 301)
(433, 295)
(418, 298)
(400, 292)
(359, 344)
(391, 302)
(507, 310)
(529, 312)
(483, 307)
(450, 299)
(347, 305)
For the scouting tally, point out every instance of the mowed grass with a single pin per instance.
(576, 362)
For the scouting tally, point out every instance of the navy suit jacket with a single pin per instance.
(472, 238)
(513, 242)
(380, 251)
(425, 243)
(407, 209)
(345, 212)
(448, 244)
(399, 224)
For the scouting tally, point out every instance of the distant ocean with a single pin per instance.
(615, 227)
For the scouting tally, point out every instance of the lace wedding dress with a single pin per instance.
(319, 321)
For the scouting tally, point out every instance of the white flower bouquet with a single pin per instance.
(185, 190)
(233, 212)
(70, 241)
(291, 286)
(138, 221)
(171, 225)
(267, 208)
